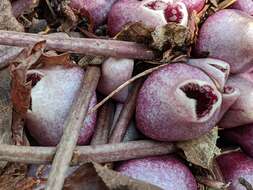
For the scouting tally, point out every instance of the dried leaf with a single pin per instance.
(91, 60)
(21, 90)
(135, 32)
(7, 20)
(84, 178)
(171, 35)
(5, 109)
(116, 181)
(202, 150)
(14, 177)
(71, 19)
(55, 59)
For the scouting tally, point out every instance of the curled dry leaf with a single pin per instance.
(201, 151)
(21, 89)
(135, 32)
(115, 180)
(14, 177)
(5, 109)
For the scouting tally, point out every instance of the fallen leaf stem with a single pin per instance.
(88, 46)
(84, 154)
(101, 134)
(126, 114)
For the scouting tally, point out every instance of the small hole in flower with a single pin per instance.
(173, 13)
(204, 96)
(228, 90)
(34, 77)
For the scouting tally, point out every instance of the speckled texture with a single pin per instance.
(166, 172)
(97, 9)
(114, 73)
(242, 136)
(52, 98)
(126, 11)
(244, 5)
(228, 35)
(164, 112)
(229, 97)
(234, 165)
(240, 113)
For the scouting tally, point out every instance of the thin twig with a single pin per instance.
(118, 109)
(88, 46)
(148, 71)
(125, 116)
(103, 124)
(84, 154)
(72, 126)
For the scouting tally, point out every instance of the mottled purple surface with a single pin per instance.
(244, 5)
(166, 172)
(52, 98)
(194, 5)
(240, 113)
(228, 35)
(216, 69)
(97, 9)
(242, 136)
(149, 12)
(235, 165)
(114, 73)
(229, 96)
(165, 112)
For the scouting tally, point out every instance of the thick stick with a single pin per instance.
(126, 114)
(72, 126)
(103, 124)
(101, 47)
(84, 154)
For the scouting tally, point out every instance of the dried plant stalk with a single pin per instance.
(83, 154)
(87, 46)
(125, 116)
(103, 124)
(72, 126)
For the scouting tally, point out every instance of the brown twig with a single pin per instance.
(118, 109)
(83, 154)
(125, 115)
(144, 73)
(87, 46)
(212, 183)
(103, 124)
(72, 126)
(217, 174)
